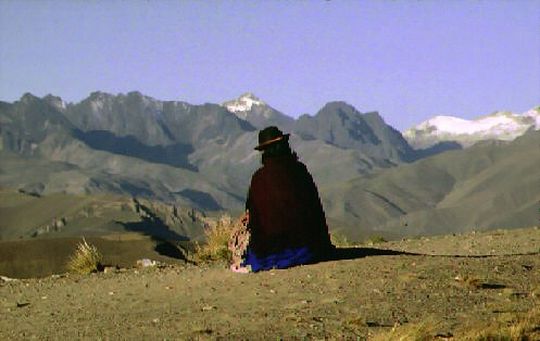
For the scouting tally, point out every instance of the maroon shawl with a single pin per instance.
(285, 210)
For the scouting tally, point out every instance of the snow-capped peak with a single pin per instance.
(243, 104)
(500, 125)
(534, 114)
(454, 125)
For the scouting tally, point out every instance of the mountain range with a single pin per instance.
(202, 157)
(501, 125)
(494, 184)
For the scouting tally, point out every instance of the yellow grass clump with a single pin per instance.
(339, 240)
(372, 240)
(514, 327)
(520, 327)
(85, 260)
(217, 233)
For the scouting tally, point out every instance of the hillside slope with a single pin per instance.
(26, 215)
(202, 156)
(490, 185)
(172, 151)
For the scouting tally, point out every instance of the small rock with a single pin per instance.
(145, 262)
(110, 269)
(6, 279)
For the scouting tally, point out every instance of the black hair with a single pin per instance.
(277, 149)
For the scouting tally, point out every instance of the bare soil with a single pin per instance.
(460, 280)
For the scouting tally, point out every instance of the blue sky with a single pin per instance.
(410, 60)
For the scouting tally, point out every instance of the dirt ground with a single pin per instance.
(495, 275)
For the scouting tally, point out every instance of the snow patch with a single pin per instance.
(500, 125)
(243, 104)
(459, 126)
(534, 114)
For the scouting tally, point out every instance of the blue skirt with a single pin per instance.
(282, 260)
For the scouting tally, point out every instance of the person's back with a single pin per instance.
(285, 208)
(286, 217)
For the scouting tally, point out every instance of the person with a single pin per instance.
(284, 215)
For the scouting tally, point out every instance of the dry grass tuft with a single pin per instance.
(339, 240)
(513, 327)
(85, 260)
(535, 293)
(520, 327)
(217, 233)
(423, 331)
(372, 240)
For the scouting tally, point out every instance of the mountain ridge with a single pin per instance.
(501, 125)
(489, 185)
(257, 112)
(203, 141)
(203, 156)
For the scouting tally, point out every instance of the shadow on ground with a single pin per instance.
(174, 249)
(155, 228)
(167, 241)
(361, 252)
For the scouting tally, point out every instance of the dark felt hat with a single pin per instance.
(270, 135)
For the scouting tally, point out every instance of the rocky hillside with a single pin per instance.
(341, 125)
(202, 157)
(489, 185)
(193, 154)
(26, 215)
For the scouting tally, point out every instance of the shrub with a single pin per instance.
(85, 260)
(339, 240)
(217, 236)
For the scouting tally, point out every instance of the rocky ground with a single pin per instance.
(455, 283)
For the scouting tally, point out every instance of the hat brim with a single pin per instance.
(264, 145)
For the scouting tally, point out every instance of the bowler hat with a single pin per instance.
(270, 135)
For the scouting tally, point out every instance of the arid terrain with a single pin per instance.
(448, 287)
